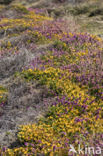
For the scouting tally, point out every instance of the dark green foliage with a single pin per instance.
(96, 12)
(80, 10)
(5, 1)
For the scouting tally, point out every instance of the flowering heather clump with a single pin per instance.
(29, 20)
(75, 115)
(72, 70)
(21, 32)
